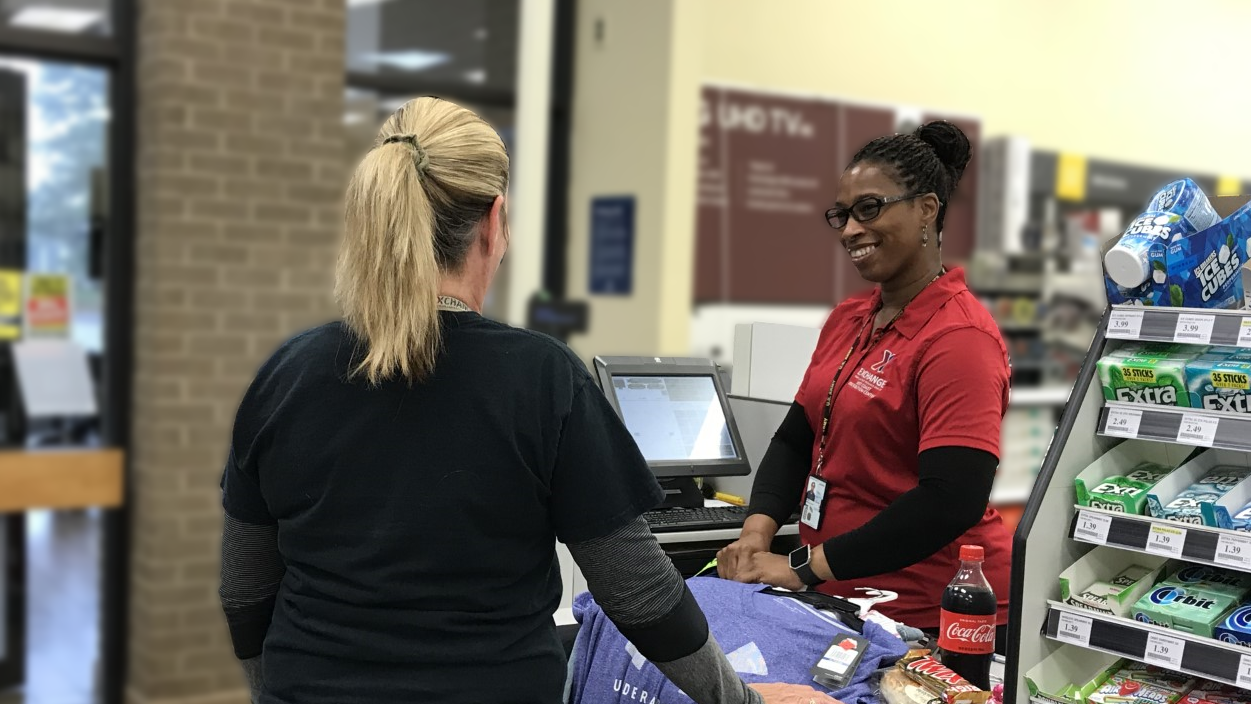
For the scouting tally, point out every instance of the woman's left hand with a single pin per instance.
(767, 568)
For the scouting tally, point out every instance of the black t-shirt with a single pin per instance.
(418, 524)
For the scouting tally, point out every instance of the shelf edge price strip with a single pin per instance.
(1165, 651)
(1123, 422)
(1194, 329)
(1166, 540)
(1125, 324)
(1197, 430)
(1093, 527)
(1233, 551)
(1074, 629)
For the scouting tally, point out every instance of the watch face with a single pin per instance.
(799, 558)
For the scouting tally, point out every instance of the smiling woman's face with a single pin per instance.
(890, 244)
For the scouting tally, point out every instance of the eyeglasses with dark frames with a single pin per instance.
(863, 210)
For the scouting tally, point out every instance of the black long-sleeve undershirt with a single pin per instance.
(953, 489)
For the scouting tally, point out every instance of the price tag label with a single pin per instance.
(1165, 651)
(1244, 332)
(1123, 422)
(1198, 430)
(1092, 527)
(1234, 551)
(1125, 324)
(1244, 672)
(1166, 540)
(1196, 329)
(1074, 629)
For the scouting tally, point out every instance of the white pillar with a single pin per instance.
(528, 190)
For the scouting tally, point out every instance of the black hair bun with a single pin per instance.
(949, 143)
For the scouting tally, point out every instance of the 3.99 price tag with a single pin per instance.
(1233, 551)
(1125, 324)
(1198, 430)
(1194, 329)
(1074, 629)
(1092, 527)
(1165, 651)
(1123, 422)
(1166, 540)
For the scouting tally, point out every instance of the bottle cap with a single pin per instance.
(972, 553)
(1127, 267)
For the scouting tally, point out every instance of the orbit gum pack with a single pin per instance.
(1179, 253)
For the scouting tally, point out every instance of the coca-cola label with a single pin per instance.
(966, 634)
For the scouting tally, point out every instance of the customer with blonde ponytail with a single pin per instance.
(397, 480)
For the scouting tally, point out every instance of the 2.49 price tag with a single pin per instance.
(1198, 430)
(1123, 422)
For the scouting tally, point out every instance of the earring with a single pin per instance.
(925, 236)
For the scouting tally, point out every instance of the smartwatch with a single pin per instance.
(801, 563)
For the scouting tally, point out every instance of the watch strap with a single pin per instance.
(804, 571)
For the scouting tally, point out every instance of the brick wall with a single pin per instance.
(241, 166)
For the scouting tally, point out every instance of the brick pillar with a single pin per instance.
(241, 169)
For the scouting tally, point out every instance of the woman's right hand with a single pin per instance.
(735, 558)
(792, 694)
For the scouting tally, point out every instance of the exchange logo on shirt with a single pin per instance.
(870, 381)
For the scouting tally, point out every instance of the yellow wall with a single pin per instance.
(1105, 78)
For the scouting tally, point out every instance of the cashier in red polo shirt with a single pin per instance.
(892, 444)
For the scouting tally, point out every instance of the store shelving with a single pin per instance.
(1175, 650)
(1230, 328)
(1185, 426)
(1054, 533)
(1153, 536)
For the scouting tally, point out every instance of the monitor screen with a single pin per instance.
(674, 418)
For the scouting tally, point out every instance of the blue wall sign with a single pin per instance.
(612, 245)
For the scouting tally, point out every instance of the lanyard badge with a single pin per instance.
(814, 503)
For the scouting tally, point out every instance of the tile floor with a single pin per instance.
(63, 613)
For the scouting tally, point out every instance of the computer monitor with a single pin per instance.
(677, 411)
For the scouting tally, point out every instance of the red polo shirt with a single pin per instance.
(937, 378)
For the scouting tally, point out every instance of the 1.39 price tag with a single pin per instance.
(1233, 551)
(1125, 324)
(1166, 540)
(1244, 672)
(1165, 651)
(1092, 527)
(1123, 422)
(1074, 629)
(1198, 430)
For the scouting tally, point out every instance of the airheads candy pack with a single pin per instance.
(1190, 609)
(1236, 584)
(1219, 384)
(1180, 255)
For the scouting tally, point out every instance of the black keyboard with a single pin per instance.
(669, 520)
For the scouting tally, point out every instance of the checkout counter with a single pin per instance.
(769, 364)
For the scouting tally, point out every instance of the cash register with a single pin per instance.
(677, 411)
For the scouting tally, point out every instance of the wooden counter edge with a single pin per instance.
(61, 479)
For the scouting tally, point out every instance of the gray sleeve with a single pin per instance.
(707, 676)
(252, 570)
(639, 589)
(256, 678)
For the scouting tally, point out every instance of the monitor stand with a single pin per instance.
(681, 492)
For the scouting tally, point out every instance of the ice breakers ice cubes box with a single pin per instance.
(1179, 253)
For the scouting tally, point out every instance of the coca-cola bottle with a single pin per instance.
(966, 636)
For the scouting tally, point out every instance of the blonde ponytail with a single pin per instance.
(413, 209)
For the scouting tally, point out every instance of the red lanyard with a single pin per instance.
(831, 394)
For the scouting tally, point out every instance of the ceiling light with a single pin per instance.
(364, 3)
(477, 75)
(481, 34)
(55, 19)
(414, 60)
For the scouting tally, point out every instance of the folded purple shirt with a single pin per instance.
(767, 639)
